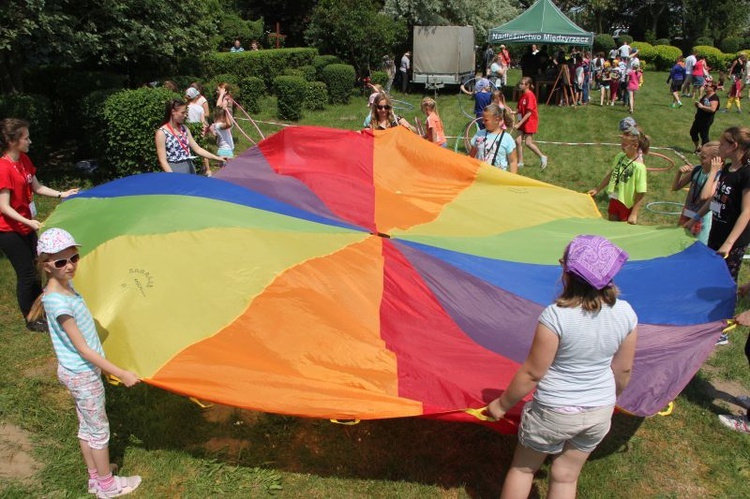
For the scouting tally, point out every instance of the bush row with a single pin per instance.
(264, 64)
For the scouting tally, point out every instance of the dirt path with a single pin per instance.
(16, 462)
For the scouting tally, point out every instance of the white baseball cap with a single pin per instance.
(55, 240)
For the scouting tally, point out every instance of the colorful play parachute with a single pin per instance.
(333, 274)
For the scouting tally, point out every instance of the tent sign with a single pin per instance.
(540, 38)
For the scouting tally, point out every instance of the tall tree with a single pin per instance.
(455, 12)
(355, 30)
(134, 36)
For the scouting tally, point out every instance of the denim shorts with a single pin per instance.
(698, 81)
(545, 430)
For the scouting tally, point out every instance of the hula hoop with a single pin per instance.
(402, 105)
(470, 126)
(469, 85)
(669, 161)
(653, 207)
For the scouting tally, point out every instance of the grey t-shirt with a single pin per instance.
(581, 373)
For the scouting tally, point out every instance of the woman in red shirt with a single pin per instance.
(529, 122)
(18, 228)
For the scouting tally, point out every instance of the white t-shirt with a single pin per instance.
(689, 63)
(581, 373)
(625, 50)
(195, 113)
(224, 139)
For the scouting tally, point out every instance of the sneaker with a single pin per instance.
(723, 110)
(673, 105)
(736, 423)
(37, 326)
(123, 485)
(723, 339)
(544, 162)
(743, 401)
(679, 103)
(520, 164)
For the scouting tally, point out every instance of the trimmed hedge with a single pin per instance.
(661, 41)
(36, 110)
(253, 91)
(131, 118)
(265, 64)
(665, 57)
(714, 57)
(322, 61)
(311, 74)
(604, 43)
(340, 79)
(379, 78)
(293, 72)
(290, 92)
(316, 96)
(646, 51)
(705, 41)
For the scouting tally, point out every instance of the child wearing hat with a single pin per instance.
(580, 362)
(81, 359)
(482, 97)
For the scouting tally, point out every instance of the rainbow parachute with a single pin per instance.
(333, 274)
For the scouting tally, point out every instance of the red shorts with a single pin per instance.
(618, 209)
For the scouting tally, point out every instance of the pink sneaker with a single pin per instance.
(123, 485)
(736, 423)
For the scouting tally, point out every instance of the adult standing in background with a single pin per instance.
(687, 87)
(488, 57)
(237, 47)
(18, 226)
(404, 71)
(389, 66)
(705, 110)
(505, 58)
(497, 71)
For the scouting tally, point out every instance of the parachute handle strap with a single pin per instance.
(482, 414)
(667, 411)
(345, 422)
(731, 324)
(200, 403)
(113, 380)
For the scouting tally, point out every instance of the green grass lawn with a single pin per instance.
(184, 451)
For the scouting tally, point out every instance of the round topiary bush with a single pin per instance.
(290, 93)
(309, 72)
(646, 52)
(131, 118)
(604, 43)
(661, 41)
(714, 57)
(379, 78)
(665, 57)
(233, 80)
(293, 72)
(316, 96)
(340, 79)
(705, 41)
(253, 91)
(321, 61)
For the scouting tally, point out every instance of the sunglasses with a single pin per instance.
(383, 107)
(61, 263)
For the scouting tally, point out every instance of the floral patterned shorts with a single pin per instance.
(87, 390)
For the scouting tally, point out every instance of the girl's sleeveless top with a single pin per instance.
(176, 152)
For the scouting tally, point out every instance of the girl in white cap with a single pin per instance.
(80, 359)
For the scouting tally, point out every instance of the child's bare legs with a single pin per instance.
(529, 141)
(520, 476)
(519, 148)
(631, 100)
(97, 459)
(566, 468)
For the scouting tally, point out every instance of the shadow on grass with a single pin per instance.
(412, 450)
